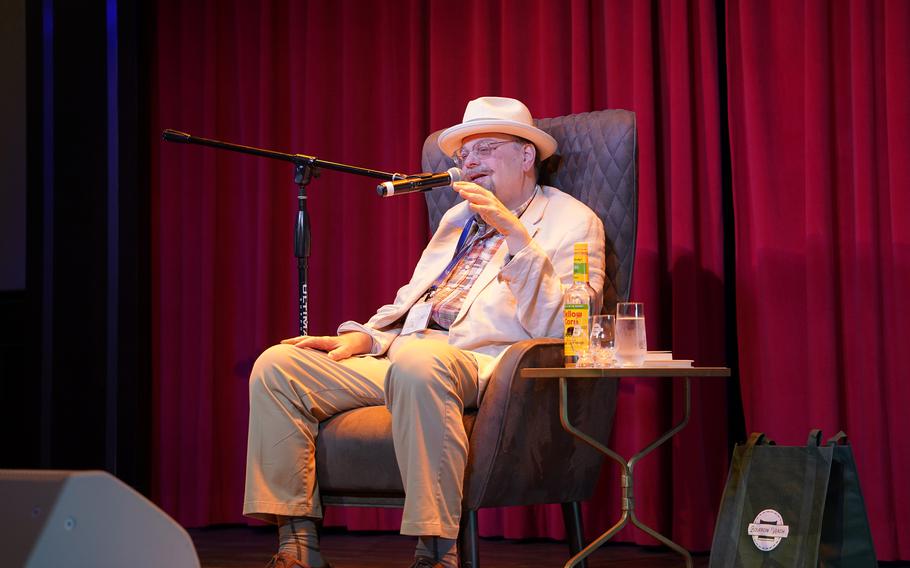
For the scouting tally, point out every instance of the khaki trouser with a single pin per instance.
(425, 383)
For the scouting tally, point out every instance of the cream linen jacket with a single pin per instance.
(519, 295)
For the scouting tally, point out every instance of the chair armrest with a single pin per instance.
(520, 453)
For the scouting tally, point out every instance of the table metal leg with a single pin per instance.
(626, 469)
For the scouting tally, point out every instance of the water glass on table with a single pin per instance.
(601, 344)
(585, 356)
(631, 343)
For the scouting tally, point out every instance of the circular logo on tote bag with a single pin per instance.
(768, 529)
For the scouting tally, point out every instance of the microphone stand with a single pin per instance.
(305, 168)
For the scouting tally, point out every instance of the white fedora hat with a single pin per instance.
(498, 115)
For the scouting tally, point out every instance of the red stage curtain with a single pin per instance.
(819, 114)
(364, 83)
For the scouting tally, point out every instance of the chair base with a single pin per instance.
(571, 516)
(469, 553)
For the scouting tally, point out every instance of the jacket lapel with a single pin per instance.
(436, 257)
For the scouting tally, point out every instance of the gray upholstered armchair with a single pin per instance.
(519, 454)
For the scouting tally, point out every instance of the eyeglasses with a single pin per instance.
(481, 150)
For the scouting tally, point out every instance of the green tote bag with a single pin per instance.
(792, 506)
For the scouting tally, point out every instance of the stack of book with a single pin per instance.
(664, 359)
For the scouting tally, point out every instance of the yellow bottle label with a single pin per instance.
(580, 262)
(576, 332)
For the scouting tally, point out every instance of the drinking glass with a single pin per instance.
(631, 343)
(585, 356)
(602, 344)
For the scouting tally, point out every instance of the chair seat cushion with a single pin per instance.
(362, 457)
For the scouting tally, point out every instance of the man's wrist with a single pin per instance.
(359, 341)
(517, 241)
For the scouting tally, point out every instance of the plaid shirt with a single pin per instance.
(451, 294)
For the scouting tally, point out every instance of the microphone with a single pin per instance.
(419, 182)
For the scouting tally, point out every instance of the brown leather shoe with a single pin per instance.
(284, 560)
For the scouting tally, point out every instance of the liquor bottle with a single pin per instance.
(578, 303)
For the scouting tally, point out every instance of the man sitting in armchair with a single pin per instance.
(492, 274)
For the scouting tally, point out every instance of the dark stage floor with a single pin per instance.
(243, 547)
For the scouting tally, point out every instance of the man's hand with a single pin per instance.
(337, 347)
(493, 212)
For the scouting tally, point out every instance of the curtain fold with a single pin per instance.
(819, 108)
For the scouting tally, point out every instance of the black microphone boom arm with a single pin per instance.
(304, 170)
(184, 138)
